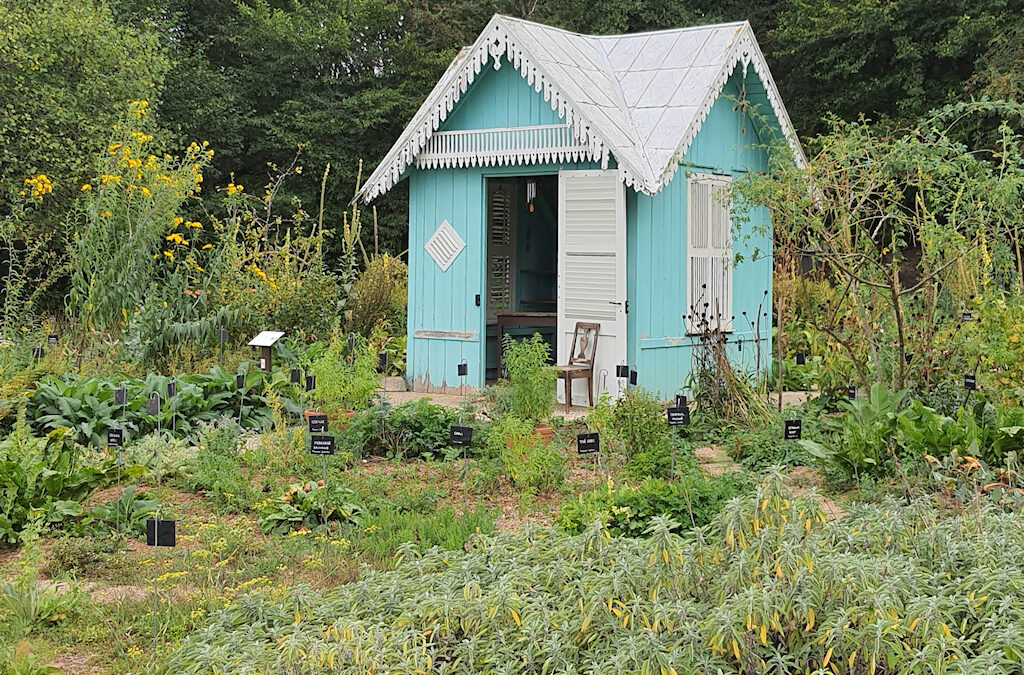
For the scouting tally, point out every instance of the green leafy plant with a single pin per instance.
(531, 379)
(127, 514)
(381, 534)
(341, 385)
(531, 464)
(638, 423)
(29, 603)
(307, 505)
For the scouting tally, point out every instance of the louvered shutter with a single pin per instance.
(500, 251)
(708, 253)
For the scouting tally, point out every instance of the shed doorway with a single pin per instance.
(522, 261)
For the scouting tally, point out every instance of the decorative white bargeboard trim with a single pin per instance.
(445, 245)
(496, 43)
(543, 144)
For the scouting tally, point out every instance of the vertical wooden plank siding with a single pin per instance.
(445, 326)
(658, 344)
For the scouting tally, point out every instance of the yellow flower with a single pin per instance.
(141, 137)
(107, 178)
(104, 214)
(169, 254)
(206, 246)
(193, 224)
(40, 185)
(145, 191)
(86, 186)
(177, 221)
(139, 107)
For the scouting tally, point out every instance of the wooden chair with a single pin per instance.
(584, 342)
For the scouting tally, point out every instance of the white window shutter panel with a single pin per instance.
(708, 253)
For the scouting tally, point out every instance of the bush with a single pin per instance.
(530, 464)
(531, 378)
(307, 505)
(628, 511)
(83, 556)
(416, 428)
(379, 296)
(638, 422)
(340, 385)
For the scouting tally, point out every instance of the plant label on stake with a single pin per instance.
(121, 396)
(588, 443)
(792, 430)
(801, 358)
(321, 445)
(851, 392)
(310, 382)
(172, 389)
(970, 382)
(240, 381)
(382, 361)
(222, 335)
(153, 405)
(51, 339)
(161, 532)
(295, 376)
(463, 370)
(115, 437)
(678, 416)
(622, 371)
(459, 436)
(37, 352)
(965, 317)
(681, 401)
(317, 424)
(632, 377)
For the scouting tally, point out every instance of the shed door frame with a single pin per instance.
(592, 271)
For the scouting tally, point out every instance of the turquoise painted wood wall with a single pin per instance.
(658, 346)
(445, 326)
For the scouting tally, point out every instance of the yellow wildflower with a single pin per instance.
(232, 188)
(145, 191)
(139, 107)
(86, 186)
(193, 224)
(107, 178)
(169, 254)
(206, 246)
(40, 185)
(104, 214)
(177, 221)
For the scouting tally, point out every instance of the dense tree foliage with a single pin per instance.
(336, 80)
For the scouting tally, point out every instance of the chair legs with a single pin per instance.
(568, 393)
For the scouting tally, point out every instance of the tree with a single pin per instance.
(67, 68)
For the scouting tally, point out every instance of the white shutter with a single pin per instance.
(708, 253)
(592, 270)
(500, 250)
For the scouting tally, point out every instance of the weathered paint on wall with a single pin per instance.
(442, 303)
(658, 345)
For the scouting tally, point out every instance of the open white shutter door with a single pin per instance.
(592, 271)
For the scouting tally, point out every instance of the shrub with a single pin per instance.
(307, 505)
(638, 422)
(341, 385)
(83, 556)
(531, 379)
(628, 511)
(530, 464)
(416, 428)
(379, 296)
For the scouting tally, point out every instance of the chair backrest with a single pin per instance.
(584, 344)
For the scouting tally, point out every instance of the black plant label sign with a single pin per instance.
(37, 352)
(791, 430)
(153, 406)
(240, 381)
(350, 342)
(321, 445)
(382, 361)
(310, 382)
(588, 444)
(970, 383)
(317, 424)
(678, 416)
(801, 358)
(172, 389)
(460, 436)
(222, 334)
(121, 396)
(296, 376)
(851, 392)
(115, 437)
(965, 317)
(51, 339)
(632, 377)
(463, 370)
(622, 371)
(680, 401)
(161, 532)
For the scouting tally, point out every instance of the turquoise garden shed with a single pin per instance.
(557, 178)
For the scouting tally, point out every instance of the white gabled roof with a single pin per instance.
(642, 97)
